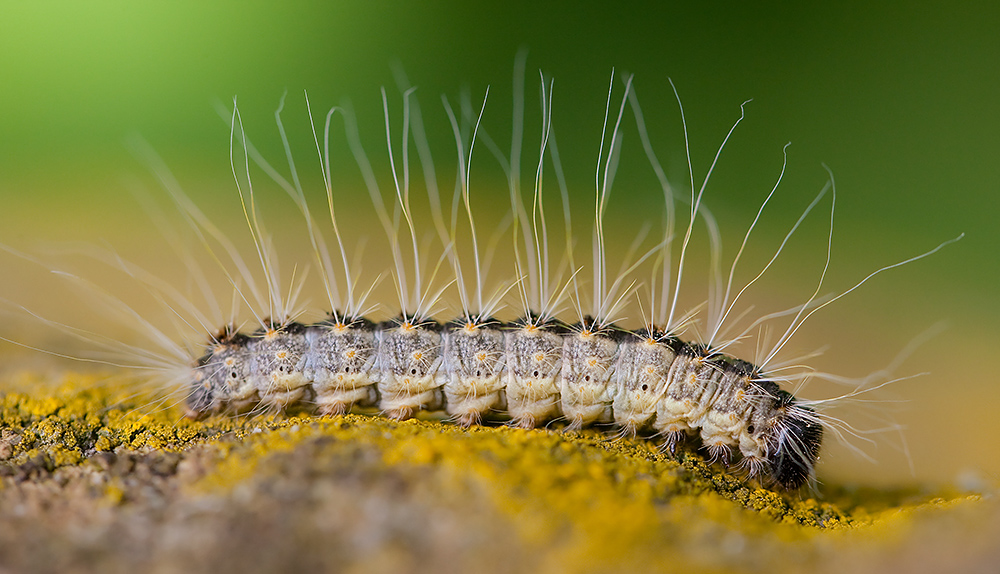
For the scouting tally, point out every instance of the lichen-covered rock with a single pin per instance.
(95, 478)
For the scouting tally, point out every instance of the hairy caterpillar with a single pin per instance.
(535, 367)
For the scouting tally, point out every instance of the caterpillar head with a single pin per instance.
(796, 435)
(224, 364)
(201, 398)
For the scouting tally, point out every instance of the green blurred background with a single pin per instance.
(900, 103)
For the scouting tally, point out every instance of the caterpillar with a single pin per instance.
(530, 369)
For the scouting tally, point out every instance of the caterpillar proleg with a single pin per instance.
(510, 351)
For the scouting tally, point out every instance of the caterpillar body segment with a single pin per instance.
(278, 356)
(725, 404)
(534, 354)
(640, 378)
(475, 367)
(590, 356)
(680, 405)
(341, 364)
(410, 357)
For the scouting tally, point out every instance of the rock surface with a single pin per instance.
(96, 478)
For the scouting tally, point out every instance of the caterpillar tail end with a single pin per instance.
(793, 461)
